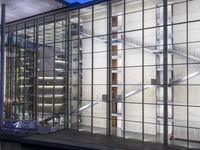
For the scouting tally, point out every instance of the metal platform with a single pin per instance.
(70, 139)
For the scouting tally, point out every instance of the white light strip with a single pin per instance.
(60, 61)
(22, 78)
(51, 78)
(50, 105)
(60, 70)
(22, 86)
(49, 95)
(51, 86)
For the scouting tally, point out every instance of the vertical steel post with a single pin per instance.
(124, 71)
(187, 72)
(66, 102)
(36, 68)
(143, 75)
(54, 72)
(165, 70)
(24, 65)
(109, 67)
(68, 72)
(92, 73)
(16, 64)
(3, 13)
(79, 79)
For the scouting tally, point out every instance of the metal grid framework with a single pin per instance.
(52, 60)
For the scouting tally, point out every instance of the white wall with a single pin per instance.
(133, 112)
(134, 74)
(100, 75)
(180, 92)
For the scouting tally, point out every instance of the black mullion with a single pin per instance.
(172, 7)
(143, 71)
(36, 70)
(19, 90)
(78, 90)
(34, 61)
(92, 72)
(24, 65)
(71, 69)
(54, 53)
(7, 69)
(157, 74)
(13, 70)
(109, 66)
(10, 72)
(43, 66)
(66, 76)
(16, 64)
(68, 72)
(165, 69)
(2, 68)
(187, 49)
(124, 74)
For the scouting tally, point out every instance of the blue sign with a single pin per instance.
(77, 1)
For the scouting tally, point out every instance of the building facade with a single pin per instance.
(127, 68)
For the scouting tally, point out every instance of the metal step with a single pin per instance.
(185, 78)
(176, 51)
(139, 90)
(50, 118)
(88, 106)
(136, 43)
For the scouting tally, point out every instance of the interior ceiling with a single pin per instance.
(18, 9)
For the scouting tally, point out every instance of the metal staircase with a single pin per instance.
(50, 87)
(51, 90)
(193, 55)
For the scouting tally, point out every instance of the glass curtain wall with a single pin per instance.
(101, 69)
(185, 76)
